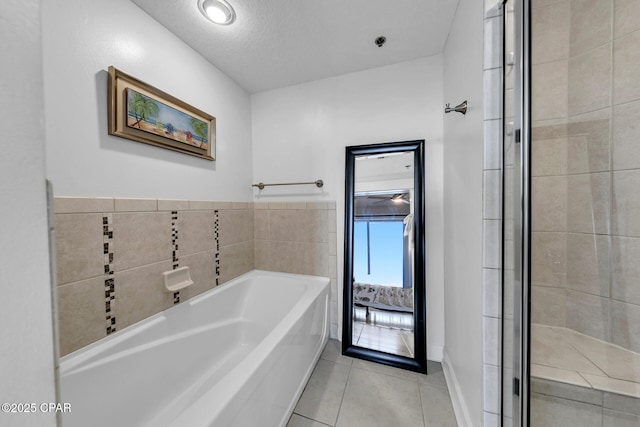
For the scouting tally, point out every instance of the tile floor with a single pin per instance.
(389, 340)
(390, 332)
(348, 392)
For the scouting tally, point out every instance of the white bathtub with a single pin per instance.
(238, 355)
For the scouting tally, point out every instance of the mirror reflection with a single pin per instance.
(383, 253)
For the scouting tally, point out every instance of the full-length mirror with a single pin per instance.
(384, 306)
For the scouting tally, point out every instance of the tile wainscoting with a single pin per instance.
(111, 253)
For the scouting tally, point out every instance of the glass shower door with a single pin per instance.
(571, 217)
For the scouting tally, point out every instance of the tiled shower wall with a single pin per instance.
(111, 253)
(586, 168)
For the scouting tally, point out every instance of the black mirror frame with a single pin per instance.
(419, 362)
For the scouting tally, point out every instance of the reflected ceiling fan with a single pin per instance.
(400, 198)
(396, 198)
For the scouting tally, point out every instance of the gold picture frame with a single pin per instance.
(143, 113)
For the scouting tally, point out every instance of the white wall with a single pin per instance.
(463, 163)
(300, 134)
(82, 38)
(26, 347)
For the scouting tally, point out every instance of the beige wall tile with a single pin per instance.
(312, 226)
(277, 205)
(172, 205)
(589, 81)
(549, 157)
(236, 226)
(620, 419)
(262, 255)
(588, 203)
(317, 205)
(589, 314)
(618, 402)
(141, 238)
(261, 224)
(549, 90)
(261, 205)
(591, 22)
(552, 411)
(550, 129)
(333, 267)
(217, 205)
(332, 220)
(79, 247)
(626, 325)
(550, 32)
(626, 134)
(198, 205)
(626, 14)
(81, 314)
(540, 3)
(626, 203)
(283, 225)
(136, 205)
(311, 258)
(282, 256)
(203, 273)
(195, 231)
(296, 205)
(626, 269)
(548, 306)
(549, 205)
(549, 259)
(333, 244)
(140, 293)
(588, 263)
(626, 73)
(83, 204)
(236, 259)
(588, 144)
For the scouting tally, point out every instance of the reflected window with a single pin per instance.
(378, 255)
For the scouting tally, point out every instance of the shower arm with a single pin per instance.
(460, 108)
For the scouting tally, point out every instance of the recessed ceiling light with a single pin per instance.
(217, 11)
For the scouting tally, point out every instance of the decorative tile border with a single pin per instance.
(174, 242)
(109, 275)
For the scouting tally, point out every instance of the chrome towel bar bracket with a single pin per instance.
(460, 108)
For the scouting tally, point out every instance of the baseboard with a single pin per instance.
(457, 398)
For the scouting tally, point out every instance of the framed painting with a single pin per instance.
(142, 113)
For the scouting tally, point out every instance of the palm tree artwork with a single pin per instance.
(142, 107)
(200, 129)
(154, 116)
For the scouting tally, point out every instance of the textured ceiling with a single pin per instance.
(276, 43)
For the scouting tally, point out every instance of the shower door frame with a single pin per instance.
(522, 216)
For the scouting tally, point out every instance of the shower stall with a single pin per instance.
(571, 213)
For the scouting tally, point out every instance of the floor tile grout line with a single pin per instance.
(344, 391)
(424, 422)
(311, 419)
